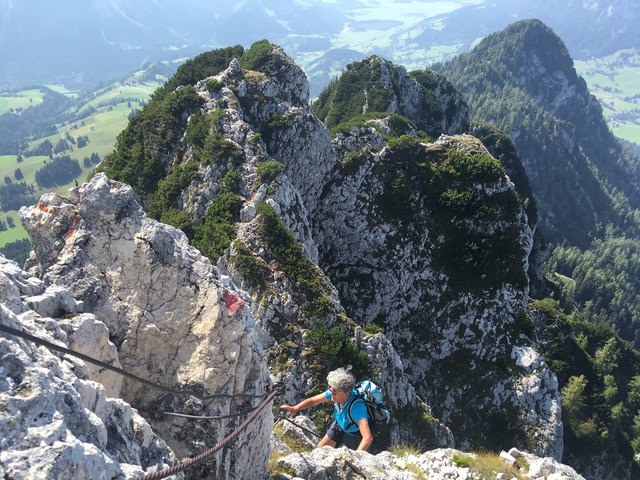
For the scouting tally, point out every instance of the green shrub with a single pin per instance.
(350, 162)
(255, 138)
(216, 147)
(372, 329)
(214, 85)
(218, 229)
(178, 219)
(524, 324)
(407, 146)
(257, 55)
(404, 450)
(549, 306)
(254, 271)
(231, 181)
(399, 125)
(170, 188)
(479, 167)
(269, 171)
(332, 348)
(289, 254)
(198, 129)
(276, 121)
(462, 462)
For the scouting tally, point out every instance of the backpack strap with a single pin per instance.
(348, 407)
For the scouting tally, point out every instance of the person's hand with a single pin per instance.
(288, 408)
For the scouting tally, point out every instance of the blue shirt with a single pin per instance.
(358, 412)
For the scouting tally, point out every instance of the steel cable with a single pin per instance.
(120, 371)
(209, 452)
(282, 417)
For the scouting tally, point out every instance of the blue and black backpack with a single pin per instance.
(377, 412)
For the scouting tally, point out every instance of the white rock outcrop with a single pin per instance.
(172, 317)
(55, 420)
(441, 464)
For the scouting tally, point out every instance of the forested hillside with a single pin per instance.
(599, 374)
(587, 186)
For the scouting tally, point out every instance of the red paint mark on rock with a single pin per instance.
(42, 207)
(233, 302)
(69, 234)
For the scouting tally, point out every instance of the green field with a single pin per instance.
(101, 127)
(615, 82)
(380, 24)
(628, 131)
(135, 92)
(12, 234)
(63, 90)
(20, 100)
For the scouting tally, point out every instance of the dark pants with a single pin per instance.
(349, 440)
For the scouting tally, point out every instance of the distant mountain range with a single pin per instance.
(79, 42)
(589, 28)
(84, 43)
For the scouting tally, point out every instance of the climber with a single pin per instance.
(343, 431)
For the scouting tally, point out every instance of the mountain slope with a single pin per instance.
(522, 80)
(333, 236)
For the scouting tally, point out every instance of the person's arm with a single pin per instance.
(304, 404)
(367, 437)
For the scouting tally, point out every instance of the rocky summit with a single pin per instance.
(393, 241)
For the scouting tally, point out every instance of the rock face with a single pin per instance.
(173, 319)
(339, 464)
(56, 420)
(453, 322)
(381, 225)
(377, 85)
(251, 100)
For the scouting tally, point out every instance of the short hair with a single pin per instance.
(341, 379)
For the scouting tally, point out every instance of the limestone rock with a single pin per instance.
(302, 435)
(55, 421)
(89, 336)
(338, 464)
(173, 319)
(386, 248)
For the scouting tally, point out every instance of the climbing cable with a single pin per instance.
(189, 416)
(282, 417)
(120, 371)
(209, 452)
(186, 463)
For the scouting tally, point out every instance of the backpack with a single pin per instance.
(377, 412)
